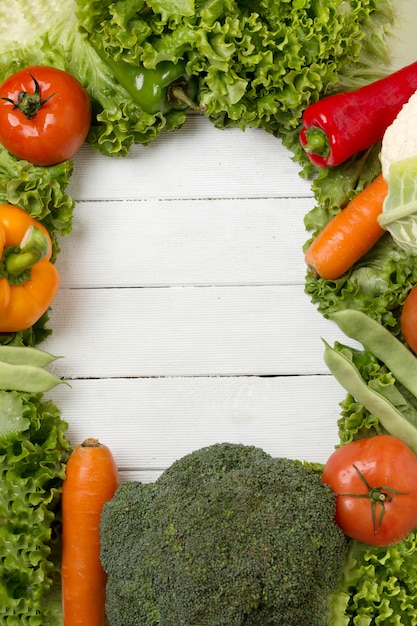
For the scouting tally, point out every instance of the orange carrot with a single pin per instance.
(91, 480)
(350, 234)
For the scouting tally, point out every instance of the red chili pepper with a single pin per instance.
(338, 126)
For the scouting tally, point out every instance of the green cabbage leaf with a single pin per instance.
(399, 212)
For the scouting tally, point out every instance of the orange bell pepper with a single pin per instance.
(28, 280)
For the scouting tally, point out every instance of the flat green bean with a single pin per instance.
(347, 374)
(25, 355)
(380, 342)
(27, 378)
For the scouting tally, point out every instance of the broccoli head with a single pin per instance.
(227, 536)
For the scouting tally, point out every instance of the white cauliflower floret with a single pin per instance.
(400, 138)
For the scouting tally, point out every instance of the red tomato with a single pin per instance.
(409, 319)
(45, 115)
(375, 483)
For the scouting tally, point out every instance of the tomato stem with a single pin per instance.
(377, 495)
(176, 95)
(29, 103)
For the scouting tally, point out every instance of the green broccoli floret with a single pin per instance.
(227, 536)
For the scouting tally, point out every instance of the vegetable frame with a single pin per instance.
(340, 125)
(29, 282)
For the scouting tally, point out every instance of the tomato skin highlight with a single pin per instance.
(385, 462)
(58, 129)
(408, 319)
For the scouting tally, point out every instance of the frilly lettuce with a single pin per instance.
(399, 215)
(33, 454)
(258, 63)
(378, 586)
(41, 191)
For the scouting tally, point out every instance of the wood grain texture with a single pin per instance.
(156, 243)
(150, 422)
(197, 331)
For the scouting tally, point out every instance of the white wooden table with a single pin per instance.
(182, 319)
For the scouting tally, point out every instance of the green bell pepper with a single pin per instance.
(157, 90)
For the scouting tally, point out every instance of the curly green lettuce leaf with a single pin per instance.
(33, 455)
(31, 336)
(281, 56)
(378, 586)
(259, 63)
(41, 191)
(334, 187)
(399, 211)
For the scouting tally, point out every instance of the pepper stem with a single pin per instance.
(317, 142)
(177, 95)
(33, 248)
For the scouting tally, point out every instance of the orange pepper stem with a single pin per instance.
(33, 248)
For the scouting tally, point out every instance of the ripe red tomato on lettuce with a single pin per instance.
(45, 115)
(375, 483)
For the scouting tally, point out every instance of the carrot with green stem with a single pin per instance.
(350, 234)
(91, 480)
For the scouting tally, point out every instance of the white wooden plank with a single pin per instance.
(156, 243)
(187, 331)
(195, 161)
(139, 475)
(150, 422)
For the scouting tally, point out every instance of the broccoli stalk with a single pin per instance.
(227, 535)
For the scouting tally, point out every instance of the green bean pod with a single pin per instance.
(26, 378)
(25, 355)
(380, 342)
(347, 374)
